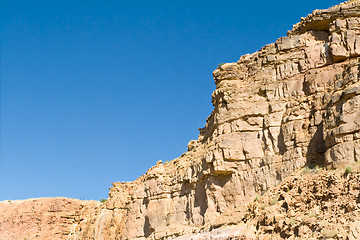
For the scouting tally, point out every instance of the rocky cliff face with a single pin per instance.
(42, 218)
(313, 204)
(294, 103)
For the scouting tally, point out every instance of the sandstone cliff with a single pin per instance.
(293, 104)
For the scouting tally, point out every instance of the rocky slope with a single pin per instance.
(314, 204)
(293, 104)
(42, 218)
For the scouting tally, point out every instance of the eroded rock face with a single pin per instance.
(295, 102)
(314, 204)
(42, 218)
(311, 204)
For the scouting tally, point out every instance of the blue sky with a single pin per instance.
(94, 92)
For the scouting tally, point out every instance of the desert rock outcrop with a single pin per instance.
(313, 204)
(293, 104)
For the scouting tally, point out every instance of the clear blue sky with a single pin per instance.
(94, 92)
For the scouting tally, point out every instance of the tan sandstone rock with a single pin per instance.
(294, 103)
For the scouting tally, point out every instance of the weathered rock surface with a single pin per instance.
(42, 218)
(312, 204)
(294, 103)
(315, 204)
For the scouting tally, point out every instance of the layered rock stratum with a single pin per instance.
(293, 105)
